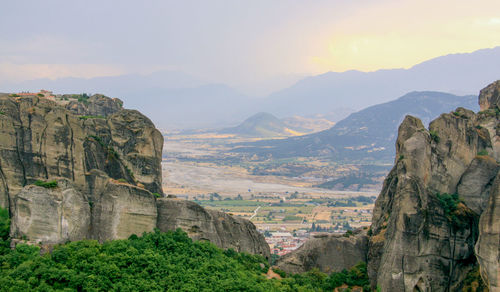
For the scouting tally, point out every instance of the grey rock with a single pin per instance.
(51, 216)
(219, 228)
(330, 253)
(488, 244)
(474, 185)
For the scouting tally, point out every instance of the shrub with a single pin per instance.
(348, 233)
(4, 231)
(14, 95)
(434, 136)
(91, 117)
(40, 95)
(454, 210)
(482, 153)
(157, 195)
(48, 185)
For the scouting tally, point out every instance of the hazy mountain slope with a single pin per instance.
(260, 125)
(369, 134)
(172, 99)
(458, 73)
(177, 100)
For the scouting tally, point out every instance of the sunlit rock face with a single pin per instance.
(106, 161)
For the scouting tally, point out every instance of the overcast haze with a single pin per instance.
(255, 46)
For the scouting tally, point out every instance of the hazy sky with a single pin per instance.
(235, 42)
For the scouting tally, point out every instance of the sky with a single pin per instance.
(252, 45)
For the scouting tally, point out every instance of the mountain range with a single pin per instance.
(367, 135)
(177, 100)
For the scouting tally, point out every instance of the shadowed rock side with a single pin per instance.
(217, 227)
(106, 161)
(328, 253)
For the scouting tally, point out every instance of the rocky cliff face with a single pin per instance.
(328, 253)
(437, 216)
(106, 162)
(217, 227)
(424, 237)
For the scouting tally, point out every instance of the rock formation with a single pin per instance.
(327, 252)
(422, 241)
(102, 164)
(438, 214)
(217, 227)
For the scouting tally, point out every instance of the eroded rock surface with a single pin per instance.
(437, 216)
(418, 242)
(328, 253)
(107, 163)
(217, 227)
(49, 216)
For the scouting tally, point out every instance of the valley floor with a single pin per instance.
(287, 209)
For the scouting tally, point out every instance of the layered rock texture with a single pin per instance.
(327, 252)
(438, 215)
(217, 227)
(425, 225)
(84, 167)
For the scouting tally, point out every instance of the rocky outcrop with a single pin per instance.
(96, 105)
(437, 217)
(217, 227)
(327, 252)
(106, 163)
(40, 139)
(423, 237)
(489, 97)
(54, 215)
(488, 244)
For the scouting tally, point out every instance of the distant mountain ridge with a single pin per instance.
(367, 135)
(177, 100)
(455, 73)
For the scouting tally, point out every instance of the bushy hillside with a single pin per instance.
(156, 261)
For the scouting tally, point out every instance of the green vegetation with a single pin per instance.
(434, 136)
(40, 95)
(157, 195)
(4, 231)
(292, 218)
(110, 150)
(348, 233)
(2, 113)
(482, 153)
(91, 117)
(48, 185)
(122, 180)
(14, 95)
(156, 261)
(455, 210)
(473, 281)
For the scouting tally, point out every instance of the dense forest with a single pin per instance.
(157, 261)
